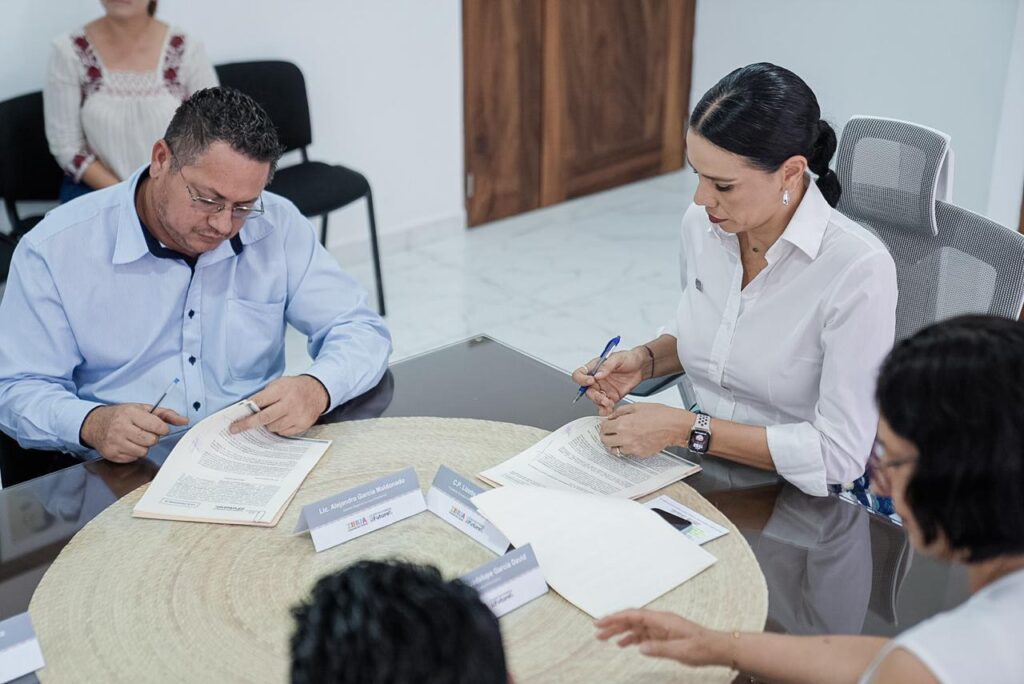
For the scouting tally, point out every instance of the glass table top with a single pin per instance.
(831, 566)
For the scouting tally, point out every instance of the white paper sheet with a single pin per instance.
(214, 476)
(602, 554)
(573, 458)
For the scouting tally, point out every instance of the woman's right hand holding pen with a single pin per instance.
(620, 373)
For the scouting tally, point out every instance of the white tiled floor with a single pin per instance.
(556, 283)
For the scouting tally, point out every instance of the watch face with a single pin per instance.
(699, 441)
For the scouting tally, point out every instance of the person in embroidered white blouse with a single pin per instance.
(950, 452)
(112, 87)
(787, 307)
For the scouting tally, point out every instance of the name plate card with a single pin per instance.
(449, 499)
(19, 650)
(363, 509)
(509, 581)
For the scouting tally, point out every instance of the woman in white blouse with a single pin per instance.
(950, 452)
(787, 306)
(112, 88)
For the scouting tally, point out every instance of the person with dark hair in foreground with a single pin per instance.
(950, 451)
(186, 270)
(787, 306)
(395, 623)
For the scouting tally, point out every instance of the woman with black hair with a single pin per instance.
(950, 452)
(787, 306)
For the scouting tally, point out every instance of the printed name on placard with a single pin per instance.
(363, 509)
(509, 581)
(19, 649)
(449, 498)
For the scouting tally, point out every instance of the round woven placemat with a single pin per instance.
(132, 600)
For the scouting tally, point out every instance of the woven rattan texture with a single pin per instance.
(132, 600)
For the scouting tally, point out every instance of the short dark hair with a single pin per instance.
(956, 390)
(767, 114)
(395, 623)
(226, 115)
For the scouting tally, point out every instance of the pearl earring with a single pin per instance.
(785, 198)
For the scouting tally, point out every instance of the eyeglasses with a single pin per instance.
(876, 463)
(239, 212)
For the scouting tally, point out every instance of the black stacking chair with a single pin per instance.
(27, 170)
(316, 188)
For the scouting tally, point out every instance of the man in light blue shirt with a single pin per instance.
(186, 270)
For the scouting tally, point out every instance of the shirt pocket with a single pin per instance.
(254, 337)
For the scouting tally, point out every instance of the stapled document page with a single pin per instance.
(602, 554)
(214, 476)
(573, 458)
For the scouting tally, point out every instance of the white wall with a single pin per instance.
(1004, 199)
(384, 79)
(942, 63)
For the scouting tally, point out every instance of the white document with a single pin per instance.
(573, 458)
(602, 554)
(19, 649)
(701, 530)
(244, 479)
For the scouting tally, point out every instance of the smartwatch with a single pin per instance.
(700, 434)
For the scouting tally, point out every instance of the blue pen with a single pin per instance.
(612, 343)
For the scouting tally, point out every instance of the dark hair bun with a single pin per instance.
(767, 114)
(824, 149)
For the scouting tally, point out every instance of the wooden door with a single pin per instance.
(502, 90)
(568, 97)
(616, 90)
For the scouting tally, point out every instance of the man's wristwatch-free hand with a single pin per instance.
(700, 434)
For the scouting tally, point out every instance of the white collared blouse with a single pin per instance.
(798, 349)
(92, 112)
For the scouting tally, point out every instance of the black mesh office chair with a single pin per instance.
(27, 170)
(316, 188)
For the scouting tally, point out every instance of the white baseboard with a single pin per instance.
(356, 243)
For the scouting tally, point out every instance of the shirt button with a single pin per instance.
(191, 313)
(192, 360)
(196, 405)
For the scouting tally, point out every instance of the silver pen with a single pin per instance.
(163, 396)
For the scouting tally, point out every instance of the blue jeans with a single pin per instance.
(70, 189)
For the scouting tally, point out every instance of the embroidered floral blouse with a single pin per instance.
(116, 116)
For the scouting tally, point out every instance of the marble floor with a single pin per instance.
(556, 283)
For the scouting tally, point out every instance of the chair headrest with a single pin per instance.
(892, 172)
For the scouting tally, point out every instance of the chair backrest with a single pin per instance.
(280, 89)
(895, 177)
(27, 170)
(892, 556)
(7, 245)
